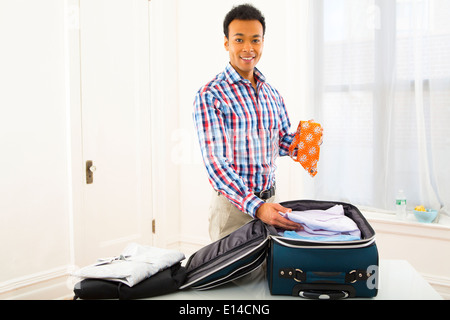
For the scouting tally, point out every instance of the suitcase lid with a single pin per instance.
(235, 252)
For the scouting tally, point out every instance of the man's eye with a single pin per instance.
(239, 40)
(256, 41)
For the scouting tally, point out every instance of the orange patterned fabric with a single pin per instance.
(305, 148)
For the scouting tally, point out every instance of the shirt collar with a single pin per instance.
(232, 76)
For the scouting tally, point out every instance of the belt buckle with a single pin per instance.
(265, 194)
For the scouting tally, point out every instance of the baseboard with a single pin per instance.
(48, 285)
(440, 284)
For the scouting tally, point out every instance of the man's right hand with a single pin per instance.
(269, 213)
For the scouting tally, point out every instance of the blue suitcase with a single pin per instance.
(324, 270)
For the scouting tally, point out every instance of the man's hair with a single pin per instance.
(243, 12)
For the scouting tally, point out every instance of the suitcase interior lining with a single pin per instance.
(350, 211)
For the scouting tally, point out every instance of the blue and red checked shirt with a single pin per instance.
(241, 133)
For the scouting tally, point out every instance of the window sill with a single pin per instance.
(410, 226)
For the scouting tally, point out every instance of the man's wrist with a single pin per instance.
(251, 204)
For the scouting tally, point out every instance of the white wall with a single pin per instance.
(34, 150)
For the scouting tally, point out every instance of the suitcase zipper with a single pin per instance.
(331, 245)
(211, 285)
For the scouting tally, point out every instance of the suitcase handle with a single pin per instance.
(324, 291)
(324, 295)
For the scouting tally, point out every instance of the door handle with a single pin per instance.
(90, 169)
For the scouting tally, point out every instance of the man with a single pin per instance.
(242, 126)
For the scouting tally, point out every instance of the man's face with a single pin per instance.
(245, 45)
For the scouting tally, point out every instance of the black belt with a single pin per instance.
(266, 194)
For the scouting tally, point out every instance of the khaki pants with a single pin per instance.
(224, 217)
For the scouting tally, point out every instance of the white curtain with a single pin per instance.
(380, 82)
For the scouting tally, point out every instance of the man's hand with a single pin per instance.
(269, 213)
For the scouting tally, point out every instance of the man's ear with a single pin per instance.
(226, 43)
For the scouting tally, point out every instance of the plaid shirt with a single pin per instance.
(241, 133)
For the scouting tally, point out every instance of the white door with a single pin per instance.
(115, 102)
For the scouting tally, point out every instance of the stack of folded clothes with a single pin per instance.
(323, 225)
(139, 272)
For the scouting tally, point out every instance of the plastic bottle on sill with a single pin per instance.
(400, 204)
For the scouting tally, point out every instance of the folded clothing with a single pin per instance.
(166, 281)
(323, 225)
(340, 237)
(136, 263)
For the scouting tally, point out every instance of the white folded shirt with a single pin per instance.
(328, 222)
(136, 263)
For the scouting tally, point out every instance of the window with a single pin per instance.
(382, 93)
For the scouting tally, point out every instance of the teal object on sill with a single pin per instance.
(425, 216)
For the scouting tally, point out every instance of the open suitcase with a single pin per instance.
(324, 270)
(310, 269)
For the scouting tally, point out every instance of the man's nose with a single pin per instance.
(248, 47)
